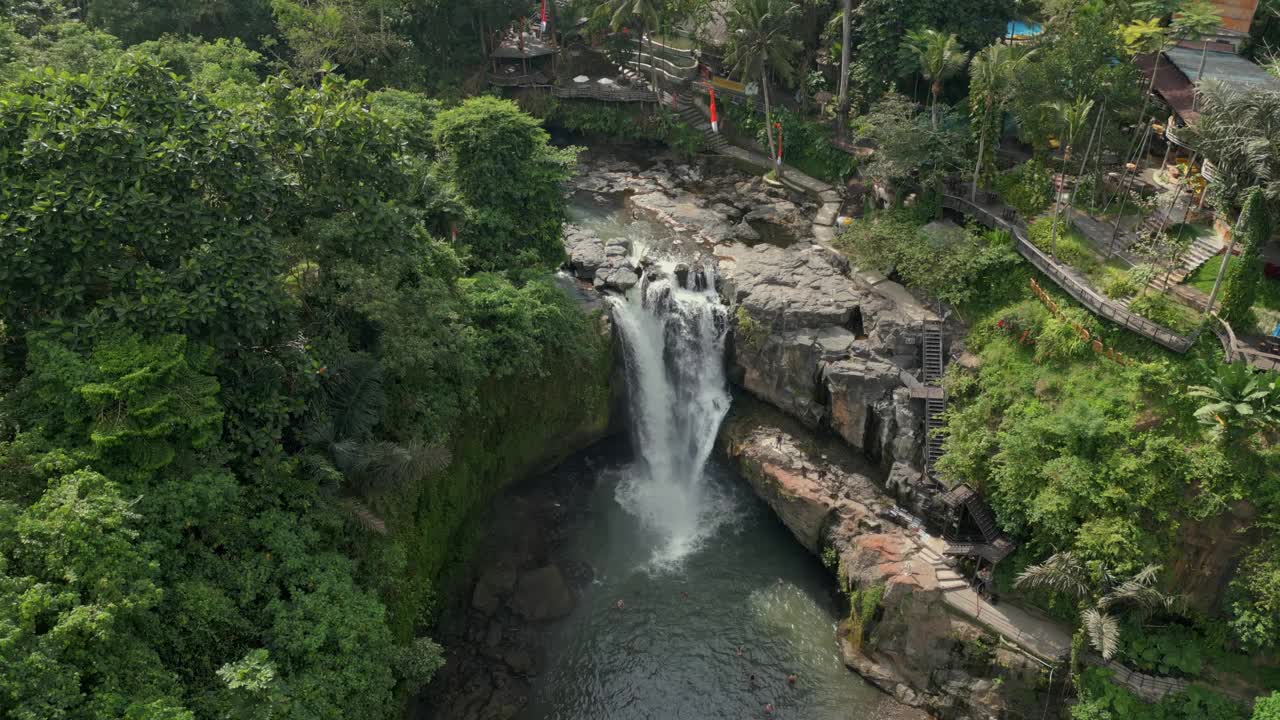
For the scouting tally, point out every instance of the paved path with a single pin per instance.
(1042, 637)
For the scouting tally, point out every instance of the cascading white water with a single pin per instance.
(673, 339)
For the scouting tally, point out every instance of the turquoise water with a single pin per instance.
(1022, 28)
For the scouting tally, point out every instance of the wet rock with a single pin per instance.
(484, 599)
(587, 253)
(744, 232)
(519, 660)
(542, 594)
(620, 279)
(682, 275)
(682, 211)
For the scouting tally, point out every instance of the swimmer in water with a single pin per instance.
(791, 680)
(768, 708)
(620, 605)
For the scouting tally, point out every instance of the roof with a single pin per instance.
(1237, 15)
(1223, 67)
(1172, 86)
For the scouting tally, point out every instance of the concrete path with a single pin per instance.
(1042, 637)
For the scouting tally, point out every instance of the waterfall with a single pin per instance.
(673, 329)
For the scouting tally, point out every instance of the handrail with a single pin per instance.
(1082, 293)
(596, 93)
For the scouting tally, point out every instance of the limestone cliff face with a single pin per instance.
(917, 648)
(827, 347)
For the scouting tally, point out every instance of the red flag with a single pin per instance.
(544, 15)
(715, 119)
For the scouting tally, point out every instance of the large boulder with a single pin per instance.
(542, 594)
(586, 252)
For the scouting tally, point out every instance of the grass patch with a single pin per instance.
(1204, 277)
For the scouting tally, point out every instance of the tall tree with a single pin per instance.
(644, 16)
(939, 56)
(846, 22)
(512, 223)
(760, 46)
(1254, 229)
(1153, 37)
(991, 76)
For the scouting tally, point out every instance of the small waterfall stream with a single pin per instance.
(673, 335)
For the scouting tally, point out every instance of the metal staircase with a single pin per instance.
(935, 404)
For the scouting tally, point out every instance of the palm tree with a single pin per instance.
(1239, 129)
(1097, 593)
(939, 56)
(644, 14)
(1148, 36)
(1073, 116)
(990, 80)
(346, 460)
(760, 45)
(845, 22)
(1238, 403)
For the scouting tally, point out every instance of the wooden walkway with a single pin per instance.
(999, 216)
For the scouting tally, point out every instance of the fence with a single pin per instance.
(607, 94)
(1082, 293)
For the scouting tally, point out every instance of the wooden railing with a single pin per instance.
(529, 80)
(611, 93)
(1083, 294)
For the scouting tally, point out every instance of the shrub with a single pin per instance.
(1061, 340)
(1064, 242)
(1119, 284)
(1159, 308)
(1028, 188)
(1176, 649)
(947, 268)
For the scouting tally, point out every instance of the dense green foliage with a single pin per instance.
(1245, 275)
(882, 27)
(1103, 700)
(236, 354)
(951, 264)
(807, 143)
(620, 122)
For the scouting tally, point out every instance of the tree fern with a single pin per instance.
(356, 399)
